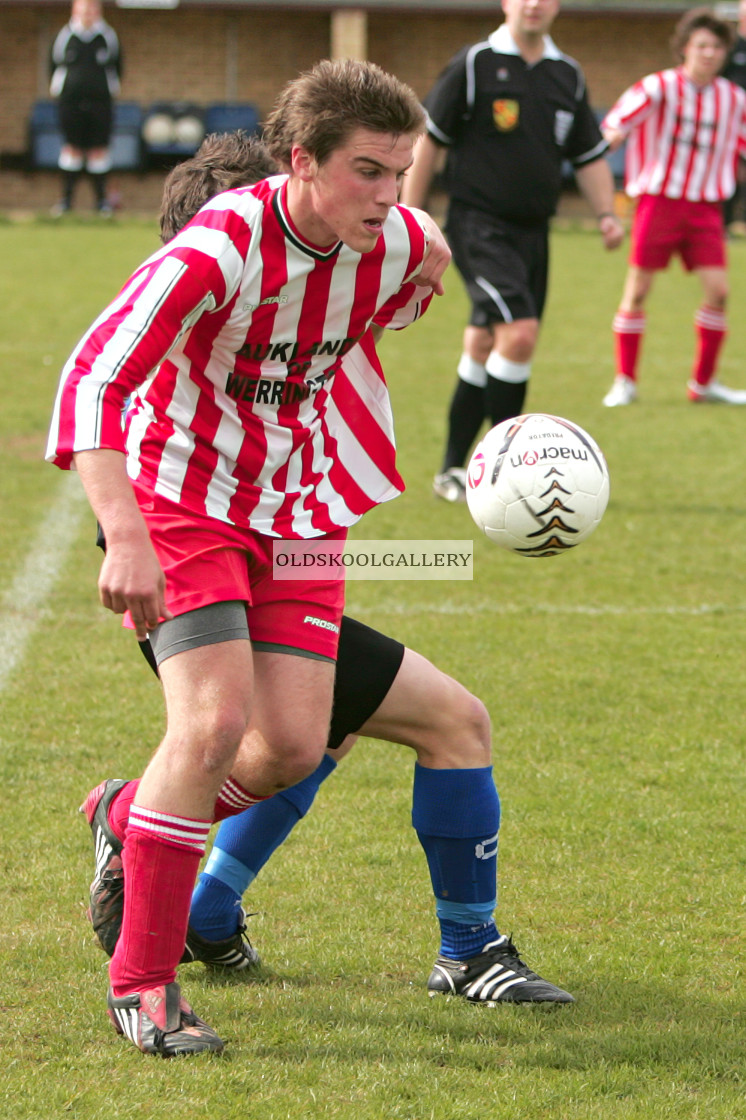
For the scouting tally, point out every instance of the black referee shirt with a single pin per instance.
(735, 69)
(509, 125)
(86, 64)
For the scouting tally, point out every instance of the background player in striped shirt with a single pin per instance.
(684, 129)
(383, 690)
(272, 283)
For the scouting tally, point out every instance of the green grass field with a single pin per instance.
(614, 676)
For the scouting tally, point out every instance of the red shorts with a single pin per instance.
(664, 226)
(209, 561)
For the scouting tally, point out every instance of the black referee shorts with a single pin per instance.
(504, 266)
(86, 123)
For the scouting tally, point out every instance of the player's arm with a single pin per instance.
(597, 185)
(632, 108)
(614, 137)
(437, 254)
(131, 576)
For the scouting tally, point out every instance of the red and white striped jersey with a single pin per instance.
(684, 139)
(252, 399)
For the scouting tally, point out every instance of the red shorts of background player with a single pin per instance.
(665, 226)
(209, 561)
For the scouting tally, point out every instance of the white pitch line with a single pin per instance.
(491, 607)
(23, 604)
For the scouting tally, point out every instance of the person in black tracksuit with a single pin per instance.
(508, 111)
(85, 67)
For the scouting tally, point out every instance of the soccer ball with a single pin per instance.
(537, 485)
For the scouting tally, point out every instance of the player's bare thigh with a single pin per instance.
(208, 693)
(431, 712)
(290, 721)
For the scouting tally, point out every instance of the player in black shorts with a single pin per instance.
(85, 69)
(508, 112)
(381, 690)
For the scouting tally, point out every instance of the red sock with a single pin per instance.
(233, 799)
(161, 860)
(119, 809)
(629, 328)
(710, 328)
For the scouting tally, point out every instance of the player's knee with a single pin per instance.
(717, 297)
(297, 756)
(459, 733)
(520, 343)
(213, 738)
(476, 721)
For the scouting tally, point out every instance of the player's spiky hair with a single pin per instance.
(322, 107)
(223, 161)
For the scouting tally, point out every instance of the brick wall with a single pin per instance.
(192, 54)
(613, 50)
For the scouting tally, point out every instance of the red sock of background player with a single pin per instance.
(629, 328)
(711, 330)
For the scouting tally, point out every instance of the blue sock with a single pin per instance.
(242, 846)
(456, 814)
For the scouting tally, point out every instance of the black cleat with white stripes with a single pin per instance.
(234, 953)
(160, 1021)
(496, 975)
(107, 889)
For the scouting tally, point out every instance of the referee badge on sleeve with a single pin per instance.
(505, 114)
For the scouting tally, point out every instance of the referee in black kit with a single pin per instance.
(85, 67)
(508, 111)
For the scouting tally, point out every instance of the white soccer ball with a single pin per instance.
(537, 485)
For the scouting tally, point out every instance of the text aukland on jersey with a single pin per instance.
(275, 390)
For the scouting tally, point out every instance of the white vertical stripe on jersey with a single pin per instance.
(337, 317)
(682, 148)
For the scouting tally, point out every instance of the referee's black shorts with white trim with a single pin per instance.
(86, 122)
(504, 265)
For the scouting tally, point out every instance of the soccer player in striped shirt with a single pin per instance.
(684, 128)
(227, 341)
(381, 689)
